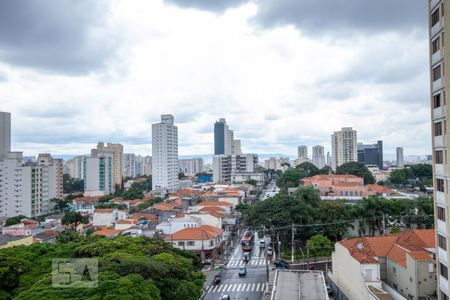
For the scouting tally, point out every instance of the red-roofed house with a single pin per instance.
(108, 232)
(206, 239)
(400, 263)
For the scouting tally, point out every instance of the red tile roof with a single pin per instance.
(107, 232)
(148, 217)
(380, 189)
(103, 211)
(86, 199)
(204, 232)
(214, 203)
(212, 208)
(215, 214)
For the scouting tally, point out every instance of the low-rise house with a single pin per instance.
(400, 264)
(226, 206)
(204, 240)
(110, 233)
(176, 224)
(104, 217)
(48, 236)
(7, 241)
(242, 177)
(125, 224)
(211, 218)
(25, 227)
(85, 203)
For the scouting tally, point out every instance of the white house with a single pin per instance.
(210, 218)
(204, 238)
(104, 217)
(176, 224)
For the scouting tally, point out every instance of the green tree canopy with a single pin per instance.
(73, 219)
(357, 169)
(14, 220)
(308, 168)
(320, 245)
(291, 178)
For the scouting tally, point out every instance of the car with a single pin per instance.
(262, 244)
(329, 290)
(269, 251)
(246, 257)
(281, 264)
(242, 271)
(217, 279)
(225, 297)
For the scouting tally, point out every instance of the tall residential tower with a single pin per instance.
(318, 156)
(344, 147)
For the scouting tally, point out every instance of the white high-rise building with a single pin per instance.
(226, 166)
(400, 160)
(344, 146)
(129, 165)
(117, 151)
(26, 188)
(318, 157)
(302, 154)
(165, 154)
(191, 166)
(99, 174)
(74, 167)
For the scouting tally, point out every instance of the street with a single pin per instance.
(270, 191)
(248, 287)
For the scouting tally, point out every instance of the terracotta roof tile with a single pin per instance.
(103, 211)
(107, 232)
(212, 208)
(214, 203)
(204, 232)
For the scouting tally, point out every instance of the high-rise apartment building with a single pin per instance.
(371, 154)
(400, 159)
(26, 188)
(344, 146)
(224, 142)
(74, 167)
(439, 59)
(165, 154)
(225, 166)
(99, 174)
(318, 156)
(302, 154)
(191, 166)
(129, 165)
(117, 151)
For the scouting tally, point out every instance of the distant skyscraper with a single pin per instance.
(5, 134)
(344, 146)
(129, 165)
(165, 154)
(74, 167)
(400, 160)
(371, 154)
(224, 142)
(302, 153)
(191, 166)
(318, 157)
(117, 151)
(99, 174)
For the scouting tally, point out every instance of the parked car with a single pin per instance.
(225, 297)
(262, 244)
(281, 264)
(269, 251)
(242, 271)
(217, 279)
(329, 290)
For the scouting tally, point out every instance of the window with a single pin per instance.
(443, 296)
(441, 213)
(440, 185)
(211, 243)
(438, 129)
(439, 157)
(437, 101)
(180, 243)
(443, 270)
(191, 243)
(437, 73)
(435, 45)
(442, 242)
(435, 17)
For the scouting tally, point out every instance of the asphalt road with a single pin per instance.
(248, 287)
(270, 191)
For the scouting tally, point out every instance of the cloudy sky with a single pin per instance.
(282, 72)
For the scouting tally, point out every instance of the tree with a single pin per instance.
(14, 220)
(133, 193)
(71, 185)
(357, 169)
(320, 245)
(291, 178)
(325, 170)
(252, 182)
(60, 204)
(308, 168)
(73, 219)
(181, 175)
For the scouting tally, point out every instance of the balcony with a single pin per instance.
(443, 284)
(442, 255)
(442, 227)
(436, 57)
(438, 141)
(439, 170)
(436, 28)
(440, 198)
(434, 3)
(437, 85)
(439, 112)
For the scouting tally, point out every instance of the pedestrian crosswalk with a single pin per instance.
(255, 261)
(236, 287)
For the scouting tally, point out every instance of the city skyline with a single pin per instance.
(276, 85)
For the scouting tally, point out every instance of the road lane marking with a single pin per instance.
(262, 287)
(238, 287)
(234, 288)
(244, 286)
(209, 288)
(215, 288)
(257, 287)
(229, 288)
(253, 287)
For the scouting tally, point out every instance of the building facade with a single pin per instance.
(99, 175)
(224, 142)
(165, 154)
(74, 167)
(371, 154)
(344, 147)
(318, 156)
(191, 166)
(116, 150)
(226, 166)
(400, 158)
(302, 152)
(438, 33)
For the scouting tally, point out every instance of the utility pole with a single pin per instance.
(279, 245)
(384, 224)
(292, 244)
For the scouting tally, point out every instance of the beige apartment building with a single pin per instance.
(116, 150)
(344, 146)
(439, 52)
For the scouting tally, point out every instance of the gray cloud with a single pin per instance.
(319, 16)
(217, 6)
(65, 36)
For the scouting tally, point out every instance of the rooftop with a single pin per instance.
(305, 285)
(204, 232)
(214, 203)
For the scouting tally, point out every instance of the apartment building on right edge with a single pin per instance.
(438, 35)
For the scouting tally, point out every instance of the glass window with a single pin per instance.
(435, 45)
(438, 129)
(437, 101)
(439, 156)
(440, 185)
(437, 73)
(442, 242)
(443, 270)
(441, 213)
(435, 17)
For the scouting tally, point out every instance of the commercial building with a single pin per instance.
(401, 265)
(400, 159)
(165, 154)
(224, 142)
(371, 155)
(302, 154)
(225, 166)
(344, 147)
(191, 166)
(438, 32)
(318, 156)
(26, 188)
(116, 150)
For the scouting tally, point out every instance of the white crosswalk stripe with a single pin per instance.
(256, 261)
(236, 287)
